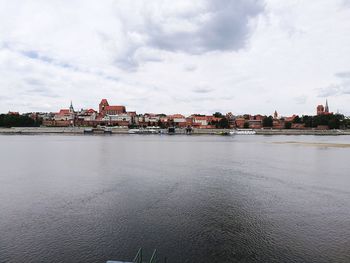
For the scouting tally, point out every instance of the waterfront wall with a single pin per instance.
(29, 130)
(119, 130)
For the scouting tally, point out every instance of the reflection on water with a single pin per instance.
(194, 198)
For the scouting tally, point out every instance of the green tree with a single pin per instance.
(223, 123)
(288, 125)
(347, 123)
(297, 119)
(246, 125)
(307, 120)
(161, 124)
(11, 120)
(268, 121)
(218, 114)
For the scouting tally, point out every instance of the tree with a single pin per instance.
(246, 125)
(223, 123)
(11, 120)
(288, 125)
(161, 124)
(297, 119)
(307, 120)
(217, 115)
(268, 121)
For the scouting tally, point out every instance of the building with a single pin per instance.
(13, 113)
(323, 110)
(239, 122)
(87, 115)
(106, 109)
(65, 114)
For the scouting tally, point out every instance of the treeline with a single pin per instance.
(333, 121)
(13, 120)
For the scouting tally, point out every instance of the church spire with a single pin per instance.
(71, 109)
(326, 108)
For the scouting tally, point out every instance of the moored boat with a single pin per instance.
(243, 132)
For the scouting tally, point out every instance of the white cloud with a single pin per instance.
(174, 56)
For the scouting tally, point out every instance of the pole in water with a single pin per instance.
(153, 256)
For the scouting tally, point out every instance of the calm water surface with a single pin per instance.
(194, 198)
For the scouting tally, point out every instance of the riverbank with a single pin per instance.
(123, 130)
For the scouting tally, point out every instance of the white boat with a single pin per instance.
(148, 130)
(134, 131)
(243, 132)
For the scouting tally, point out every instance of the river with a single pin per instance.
(89, 199)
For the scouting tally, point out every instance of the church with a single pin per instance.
(323, 110)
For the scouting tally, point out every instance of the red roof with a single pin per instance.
(116, 108)
(131, 113)
(64, 111)
(13, 113)
(177, 116)
(104, 101)
(201, 117)
(288, 119)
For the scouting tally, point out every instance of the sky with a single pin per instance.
(165, 56)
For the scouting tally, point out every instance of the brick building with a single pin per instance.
(106, 109)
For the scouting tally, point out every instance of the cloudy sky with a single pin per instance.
(198, 56)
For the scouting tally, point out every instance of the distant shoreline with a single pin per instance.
(80, 130)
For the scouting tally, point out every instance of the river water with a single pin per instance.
(193, 198)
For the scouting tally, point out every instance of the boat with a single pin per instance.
(133, 131)
(243, 132)
(148, 130)
(223, 133)
(98, 130)
(88, 130)
(171, 130)
(107, 130)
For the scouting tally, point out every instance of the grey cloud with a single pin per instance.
(5, 98)
(225, 29)
(36, 55)
(190, 68)
(341, 88)
(112, 78)
(227, 98)
(222, 25)
(344, 74)
(334, 90)
(38, 87)
(202, 90)
(33, 81)
(300, 99)
(345, 3)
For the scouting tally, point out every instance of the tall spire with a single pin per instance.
(71, 109)
(326, 108)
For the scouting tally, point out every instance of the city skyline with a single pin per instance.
(185, 57)
(320, 107)
(111, 115)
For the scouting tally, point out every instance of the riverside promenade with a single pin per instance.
(124, 130)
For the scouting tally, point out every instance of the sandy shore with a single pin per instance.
(317, 144)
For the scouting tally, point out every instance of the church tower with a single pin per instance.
(71, 109)
(326, 109)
